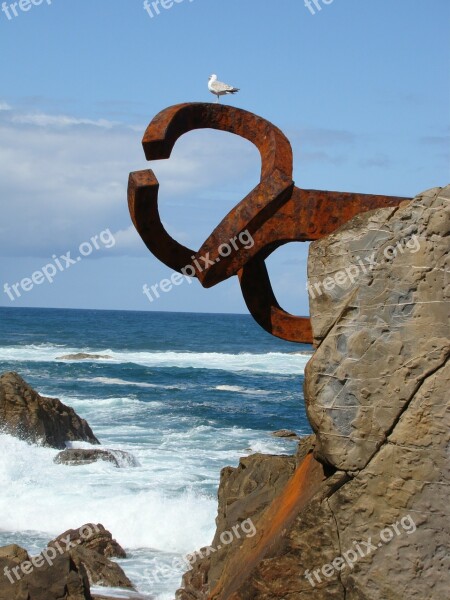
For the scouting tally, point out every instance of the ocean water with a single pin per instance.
(186, 394)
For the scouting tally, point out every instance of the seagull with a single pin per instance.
(220, 89)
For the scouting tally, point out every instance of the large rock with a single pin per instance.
(65, 570)
(374, 523)
(34, 418)
(384, 331)
(406, 483)
(245, 493)
(93, 537)
(25, 578)
(100, 570)
(91, 547)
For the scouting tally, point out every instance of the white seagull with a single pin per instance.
(220, 89)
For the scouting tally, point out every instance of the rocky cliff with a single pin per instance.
(361, 513)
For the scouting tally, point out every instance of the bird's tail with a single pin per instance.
(233, 91)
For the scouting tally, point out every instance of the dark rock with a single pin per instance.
(36, 419)
(85, 456)
(92, 537)
(91, 546)
(66, 568)
(36, 579)
(100, 570)
(285, 433)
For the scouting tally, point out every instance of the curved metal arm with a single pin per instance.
(273, 213)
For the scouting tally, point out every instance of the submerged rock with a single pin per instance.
(36, 419)
(84, 356)
(86, 456)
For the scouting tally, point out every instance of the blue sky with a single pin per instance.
(361, 88)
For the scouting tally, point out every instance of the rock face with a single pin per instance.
(244, 493)
(85, 456)
(92, 537)
(63, 580)
(382, 335)
(47, 421)
(65, 570)
(91, 547)
(361, 513)
(100, 570)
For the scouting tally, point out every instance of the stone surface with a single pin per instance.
(14, 553)
(78, 558)
(63, 580)
(381, 336)
(92, 537)
(36, 419)
(92, 546)
(376, 525)
(408, 477)
(100, 570)
(244, 493)
(85, 456)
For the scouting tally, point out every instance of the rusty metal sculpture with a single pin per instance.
(274, 213)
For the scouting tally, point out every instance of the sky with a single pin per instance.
(360, 87)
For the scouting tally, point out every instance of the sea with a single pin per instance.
(186, 394)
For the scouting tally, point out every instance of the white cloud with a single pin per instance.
(128, 242)
(5, 106)
(43, 120)
(61, 184)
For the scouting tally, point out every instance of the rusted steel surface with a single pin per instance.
(173, 122)
(275, 212)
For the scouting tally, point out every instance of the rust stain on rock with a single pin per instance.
(271, 528)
